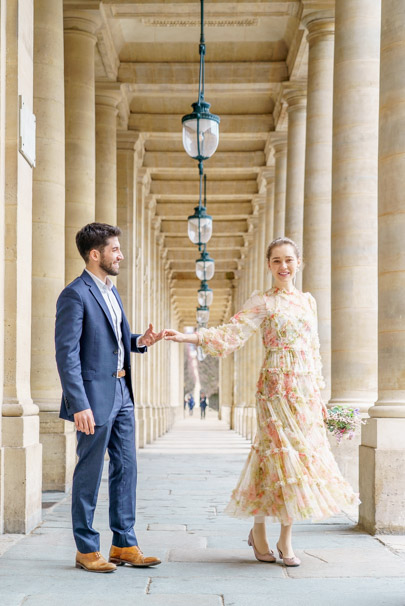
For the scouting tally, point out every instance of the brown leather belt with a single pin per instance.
(119, 374)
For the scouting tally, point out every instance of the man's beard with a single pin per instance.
(109, 269)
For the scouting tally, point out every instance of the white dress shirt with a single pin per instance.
(106, 289)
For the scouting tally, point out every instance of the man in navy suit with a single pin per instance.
(93, 344)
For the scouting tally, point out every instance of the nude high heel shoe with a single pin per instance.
(262, 557)
(288, 561)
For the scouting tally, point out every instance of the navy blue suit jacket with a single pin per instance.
(87, 350)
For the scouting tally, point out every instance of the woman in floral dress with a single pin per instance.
(290, 473)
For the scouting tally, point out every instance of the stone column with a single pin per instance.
(48, 234)
(269, 230)
(2, 202)
(279, 144)
(318, 179)
(354, 204)
(107, 100)
(22, 450)
(80, 133)
(143, 184)
(294, 200)
(129, 158)
(382, 453)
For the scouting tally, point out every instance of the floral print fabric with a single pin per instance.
(290, 473)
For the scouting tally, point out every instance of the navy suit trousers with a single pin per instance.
(118, 436)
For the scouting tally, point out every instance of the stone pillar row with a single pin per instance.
(76, 181)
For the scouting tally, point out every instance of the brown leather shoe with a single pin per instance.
(93, 562)
(131, 555)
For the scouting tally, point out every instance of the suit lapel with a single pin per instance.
(125, 328)
(95, 291)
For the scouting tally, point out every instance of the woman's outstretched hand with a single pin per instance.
(179, 337)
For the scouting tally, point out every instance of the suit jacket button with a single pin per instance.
(115, 352)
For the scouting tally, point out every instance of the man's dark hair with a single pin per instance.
(95, 235)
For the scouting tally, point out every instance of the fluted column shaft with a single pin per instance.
(382, 453)
(48, 225)
(2, 235)
(318, 180)
(20, 427)
(280, 183)
(80, 133)
(294, 201)
(106, 156)
(269, 231)
(354, 204)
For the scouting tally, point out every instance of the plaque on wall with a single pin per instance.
(27, 132)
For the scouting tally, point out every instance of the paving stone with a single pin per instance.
(348, 562)
(171, 540)
(205, 557)
(325, 592)
(141, 600)
(167, 527)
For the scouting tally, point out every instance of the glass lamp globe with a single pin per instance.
(200, 131)
(205, 267)
(199, 226)
(205, 295)
(203, 315)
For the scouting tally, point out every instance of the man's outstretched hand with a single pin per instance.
(150, 337)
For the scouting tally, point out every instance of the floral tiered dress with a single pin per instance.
(290, 473)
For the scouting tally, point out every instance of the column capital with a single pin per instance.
(295, 95)
(151, 204)
(319, 26)
(130, 139)
(144, 178)
(81, 23)
(258, 203)
(266, 176)
(278, 141)
(108, 94)
(156, 223)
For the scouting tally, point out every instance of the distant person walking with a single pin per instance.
(203, 404)
(191, 404)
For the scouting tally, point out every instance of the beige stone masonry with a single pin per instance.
(318, 178)
(80, 150)
(107, 100)
(279, 144)
(382, 453)
(22, 451)
(48, 233)
(2, 235)
(294, 200)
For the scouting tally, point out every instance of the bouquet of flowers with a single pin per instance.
(343, 422)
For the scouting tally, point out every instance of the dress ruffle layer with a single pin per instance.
(290, 473)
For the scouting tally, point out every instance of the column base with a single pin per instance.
(148, 424)
(382, 482)
(226, 415)
(22, 474)
(58, 439)
(140, 426)
(1, 490)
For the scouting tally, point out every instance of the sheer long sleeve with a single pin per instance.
(315, 344)
(227, 338)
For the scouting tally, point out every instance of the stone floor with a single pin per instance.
(185, 479)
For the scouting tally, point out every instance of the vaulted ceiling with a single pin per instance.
(150, 49)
